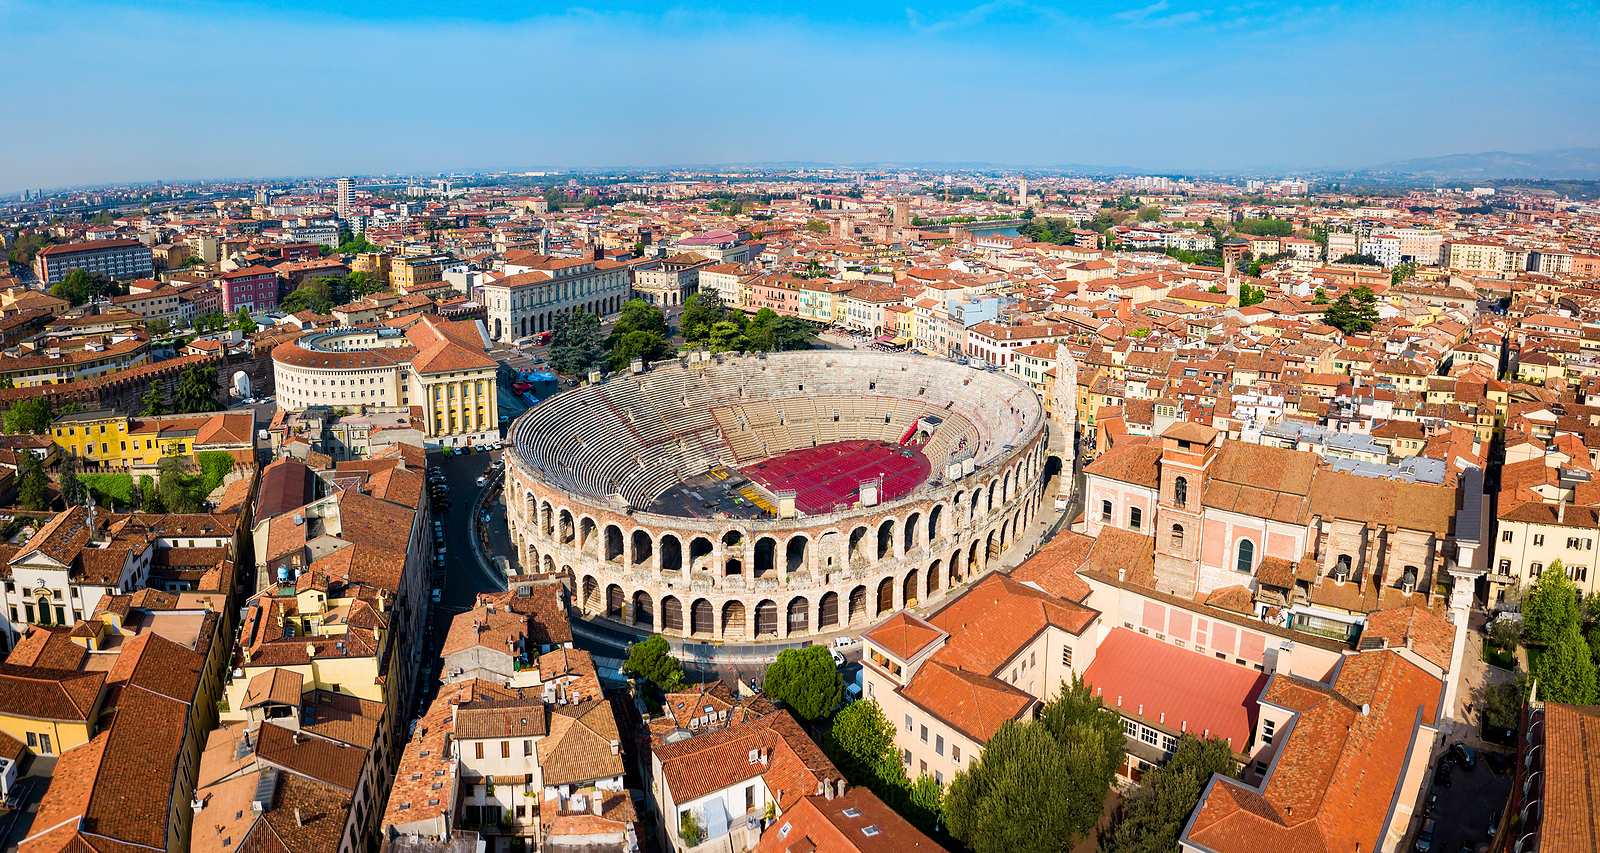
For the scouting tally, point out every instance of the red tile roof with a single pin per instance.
(1148, 678)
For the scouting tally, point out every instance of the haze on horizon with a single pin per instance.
(107, 92)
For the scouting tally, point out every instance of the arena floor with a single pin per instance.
(828, 477)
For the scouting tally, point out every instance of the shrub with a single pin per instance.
(110, 489)
(215, 465)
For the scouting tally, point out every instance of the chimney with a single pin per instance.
(297, 821)
(1561, 511)
(598, 806)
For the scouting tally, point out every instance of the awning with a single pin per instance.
(885, 339)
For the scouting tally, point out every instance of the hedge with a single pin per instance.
(109, 489)
(215, 465)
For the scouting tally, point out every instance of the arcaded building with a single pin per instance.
(774, 496)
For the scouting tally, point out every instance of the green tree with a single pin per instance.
(1156, 814)
(154, 401)
(806, 681)
(860, 739)
(33, 415)
(575, 346)
(1149, 214)
(149, 495)
(1402, 272)
(158, 327)
(1251, 295)
(701, 311)
(79, 286)
(1321, 297)
(817, 226)
(177, 487)
(1361, 259)
(1566, 671)
(1550, 607)
(1265, 227)
(1039, 785)
(727, 336)
(791, 333)
(197, 390)
(71, 489)
(652, 660)
(243, 323)
(1354, 312)
(648, 346)
(32, 486)
(638, 315)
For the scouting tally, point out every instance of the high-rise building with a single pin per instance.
(343, 208)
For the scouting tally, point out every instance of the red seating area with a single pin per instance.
(827, 477)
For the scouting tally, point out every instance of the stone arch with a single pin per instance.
(828, 546)
(1005, 488)
(643, 548)
(614, 602)
(858, 546)
(546, 525)
(766, 551)
(957, 505)
(828, 611)
(799, 621)
(766, 618)
(954, 568)
(991, 547)
(733, 620)
(934, 572)
(989, 507)
(549, 565)
(973, 564)
(886, 539)
(591, 594)
(671, 553)
(795, 553)
(699, 546)
(614, 544)
(702, 618)
(588, 534)
(912, 527)
(885, 599)
(732, 538)
(911, 590)
(935, 516)
(1005, 533)
(977, 501)
(672, 615)
(732, 566)
(568, 530)
(643, 611)
(858, 605)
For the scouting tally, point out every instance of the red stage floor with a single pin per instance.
(828, 477)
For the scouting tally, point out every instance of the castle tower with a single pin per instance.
(902, 213)
(1022, 192)
(1187, 451)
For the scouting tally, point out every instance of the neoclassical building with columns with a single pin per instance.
(416, 360)
(588, 468)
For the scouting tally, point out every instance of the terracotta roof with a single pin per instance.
(583, 744)
(1054, 567)
(1145, 677)
(327, 761)
(903, 635)
(818, 823)
(716, 760)
(1417, 628)
(975, 704)
(281, 686)
(1331, 784)
(1572, 787)
(49, 694)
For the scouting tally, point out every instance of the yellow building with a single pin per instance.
(105, 438)
(50, 710)
(407, 274)
(334, 639)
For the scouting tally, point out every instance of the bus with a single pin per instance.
(542, 338)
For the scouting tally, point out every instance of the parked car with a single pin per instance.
(483, 479)
(436, 594)
(1425, 837)
(1464, 755)
(486, 518)
(838, 659)
(843, 642)
(1494, 825)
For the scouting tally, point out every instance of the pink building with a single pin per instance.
(253, 288)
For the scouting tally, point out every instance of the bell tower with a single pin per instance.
(1187, 451)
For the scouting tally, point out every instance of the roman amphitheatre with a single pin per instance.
(752, 498)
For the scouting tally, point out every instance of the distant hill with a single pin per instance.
(1561, 163)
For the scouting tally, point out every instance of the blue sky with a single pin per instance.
(177, 89)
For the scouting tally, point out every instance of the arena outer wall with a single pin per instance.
(767, 580)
